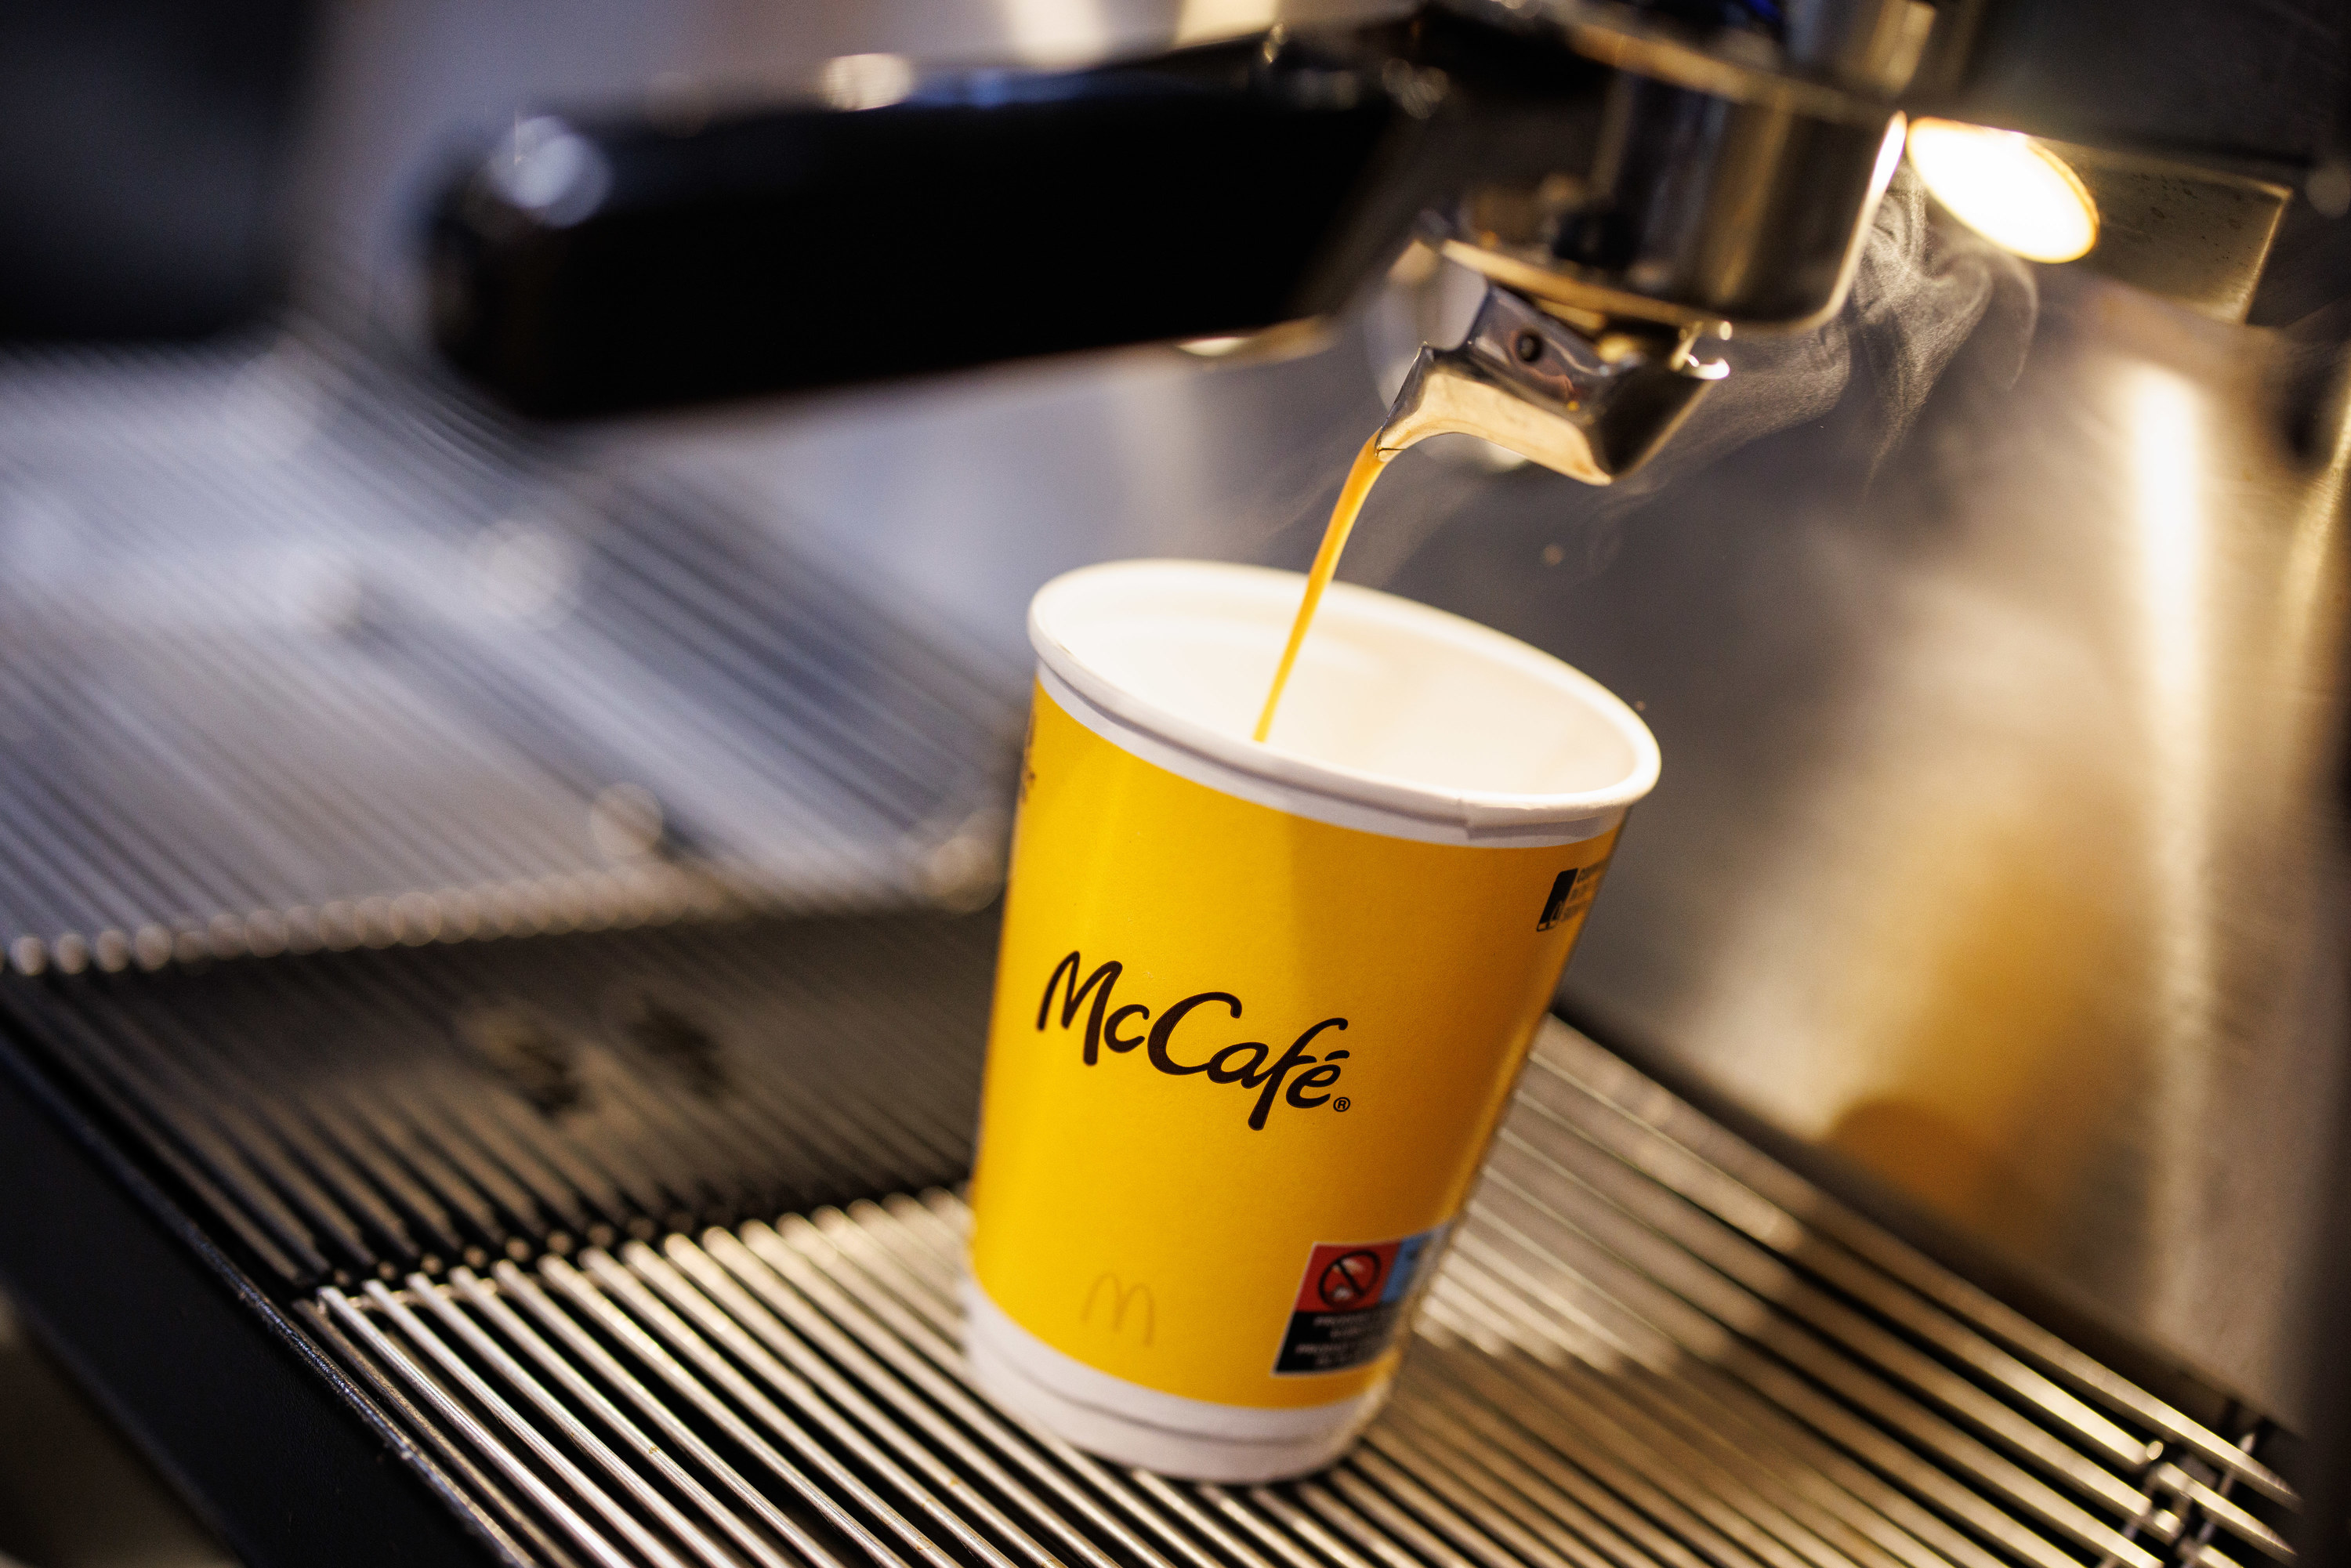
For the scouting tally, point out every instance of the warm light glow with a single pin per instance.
(2007, 187)
(866, 82)
(1057, 33)
(2166, 416)
(1214, 348)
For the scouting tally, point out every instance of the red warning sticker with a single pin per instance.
(1352, 1302)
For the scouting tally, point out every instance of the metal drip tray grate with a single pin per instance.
(1650, 1347)
(298, 653)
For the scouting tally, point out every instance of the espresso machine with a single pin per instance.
(512, 736)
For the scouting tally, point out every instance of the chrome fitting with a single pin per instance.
(1591, 407)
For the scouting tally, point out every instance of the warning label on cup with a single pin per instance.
(1352, 1302)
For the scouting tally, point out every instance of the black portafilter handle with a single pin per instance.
(594, 267)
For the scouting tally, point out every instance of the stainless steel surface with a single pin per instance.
(1594, 410)
(1761, 223)
(1733, 177)
(1997, 853)
(2200, 237)
(1649, 1346)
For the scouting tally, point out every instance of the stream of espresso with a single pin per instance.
(1368, 464)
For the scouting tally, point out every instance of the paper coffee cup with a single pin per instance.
(1259, 1008)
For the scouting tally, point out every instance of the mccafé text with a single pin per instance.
(1251, 1064)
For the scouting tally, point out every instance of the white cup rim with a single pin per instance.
(1471, 814)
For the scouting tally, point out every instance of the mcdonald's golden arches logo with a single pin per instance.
(1123, 1298)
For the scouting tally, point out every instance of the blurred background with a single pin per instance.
(1992, 634)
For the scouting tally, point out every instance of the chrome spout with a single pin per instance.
(1590, 406)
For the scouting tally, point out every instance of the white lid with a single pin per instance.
(1393, 706)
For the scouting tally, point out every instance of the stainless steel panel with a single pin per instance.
(1997, 852)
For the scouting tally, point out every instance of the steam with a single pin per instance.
(1922, 291)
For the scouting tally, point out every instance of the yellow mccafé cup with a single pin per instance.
(1259, 1007)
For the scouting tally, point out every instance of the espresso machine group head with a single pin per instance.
(1633, 181)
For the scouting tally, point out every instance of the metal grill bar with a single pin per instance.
(1674, 1291)
(495, 1512)
(1611, 1371)
(1715, 1170)
(291, 659)
(373, 1113)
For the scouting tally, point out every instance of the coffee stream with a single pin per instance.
(1368, 464)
